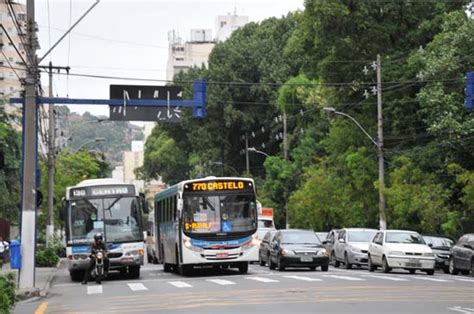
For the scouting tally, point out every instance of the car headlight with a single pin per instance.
(286, 252)
(396, 253)
(321, 252)
(355, 249)
(428, 254)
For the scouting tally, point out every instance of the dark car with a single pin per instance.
(441, 247)
(297, 248)
(264, 250)
(462, 256)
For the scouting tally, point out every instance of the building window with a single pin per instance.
(179, 59)
(223, 23)
(21, 17)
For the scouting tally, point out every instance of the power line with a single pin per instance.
(10, 66)
(14, 46)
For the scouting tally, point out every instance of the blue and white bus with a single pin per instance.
(113, 208)
(209, 221)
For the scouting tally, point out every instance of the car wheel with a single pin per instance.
(472, 267)
(280, 268)
(324, 268)
(371, 265)
(347, 265)
(452, 269)
(446, 269)
(430, 272)
(412, 271)
(334, 261)
(385, 267)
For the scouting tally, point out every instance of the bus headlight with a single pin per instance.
(139, 252)
(251, 243)
(187, 243)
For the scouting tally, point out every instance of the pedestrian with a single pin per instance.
(3, 251)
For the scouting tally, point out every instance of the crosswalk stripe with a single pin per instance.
(262, 279)
(94, 289)
(303, 278)
(430, 279)
(386, 277)
(345, 277)
(221, 282)
(137, 286)
(180, 284)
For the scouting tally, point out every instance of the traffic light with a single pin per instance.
(469, 90)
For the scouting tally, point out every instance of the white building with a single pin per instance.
(132, 160)
(227, 24)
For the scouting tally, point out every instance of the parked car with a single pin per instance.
(441, 247)
(322, 235)
(352, 246)
(297, 248)
(400, 249)
(462, 256)
(264, 249)
(329, 245)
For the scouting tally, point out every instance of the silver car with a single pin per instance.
(352, 245)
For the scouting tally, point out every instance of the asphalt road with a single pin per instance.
(261, 291)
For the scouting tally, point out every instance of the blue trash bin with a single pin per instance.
(15, 254)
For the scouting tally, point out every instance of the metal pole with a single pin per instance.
(382, 218)
(28, 207)
(247, 161)
(285, 155)
(51, 161)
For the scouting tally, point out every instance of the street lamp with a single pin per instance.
(253, 149)
(378, 144)
(96, 140)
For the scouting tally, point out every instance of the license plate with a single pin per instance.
(222, 255)
(306, 259)
(413, 264)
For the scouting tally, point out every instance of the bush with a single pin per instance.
(7, 295)
(46, 257)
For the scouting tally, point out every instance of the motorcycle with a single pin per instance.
(99, 270)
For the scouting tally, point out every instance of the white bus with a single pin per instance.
(209, 221)
(113, 208)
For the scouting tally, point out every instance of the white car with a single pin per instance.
(352, 246)
(400, 249)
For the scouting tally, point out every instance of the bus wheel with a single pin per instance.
(134, 271)
(243, 268)
(167, 268)
(76, 275)
(184, 270)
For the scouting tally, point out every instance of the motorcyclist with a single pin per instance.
(98, 244)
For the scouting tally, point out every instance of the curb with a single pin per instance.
(36, 293)
(51, 276)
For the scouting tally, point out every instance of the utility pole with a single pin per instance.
(285, 156)
(247, 162)
(28, 204)
(382, 217)
(51, 154)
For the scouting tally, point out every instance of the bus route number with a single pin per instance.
(218, 186)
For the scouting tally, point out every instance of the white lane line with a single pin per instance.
(461, 310)
(136, 286)
(303, 278)
(221, 282)
(344, 277)
(179, 284)
(463, 279)
(386, 277)
(94, 289)
(430, 279)
(262, 279)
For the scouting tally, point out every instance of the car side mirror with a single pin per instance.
(324, 242)
(63, 208)
(430, 244)
(342, 241)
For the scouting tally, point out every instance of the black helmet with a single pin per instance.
(98, 237)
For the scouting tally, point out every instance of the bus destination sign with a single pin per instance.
(97, 191)
(219, 185)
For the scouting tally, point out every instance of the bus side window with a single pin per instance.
(175, 207)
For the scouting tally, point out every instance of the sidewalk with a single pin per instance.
(43, 278)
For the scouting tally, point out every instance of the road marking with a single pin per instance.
(261, 279)
(463, 279)
(344, 277)
(303, 278)
(42, 308)
(180, 284)
(463, 310)
(431, 279)
(137, 286)
(386, 277)
(94, 289)
(221, 282)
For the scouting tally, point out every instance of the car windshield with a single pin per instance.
(361, 235)
(404, 237)
(116, 217)
(300, 238)
(438, 241)
(219, 213)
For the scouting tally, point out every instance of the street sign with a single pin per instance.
(469, 90)
(168, 113)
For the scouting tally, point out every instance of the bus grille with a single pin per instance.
(213, 257)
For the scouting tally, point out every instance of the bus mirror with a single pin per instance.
(180, 203)
(62, 209)
(146, 210)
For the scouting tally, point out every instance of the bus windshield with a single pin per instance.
(116, 217)
(213, 214)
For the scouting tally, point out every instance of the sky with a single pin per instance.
(128, 38)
